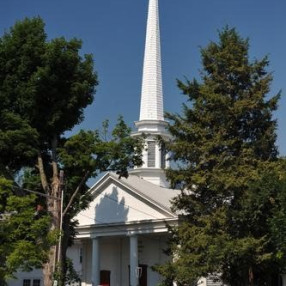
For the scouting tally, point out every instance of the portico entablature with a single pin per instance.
(126, 229)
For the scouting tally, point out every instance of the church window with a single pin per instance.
(36, 282)
(27, 282)
(151, 153)
(32, 282)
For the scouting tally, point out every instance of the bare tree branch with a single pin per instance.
(75, 192)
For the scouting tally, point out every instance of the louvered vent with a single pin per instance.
(151, 153)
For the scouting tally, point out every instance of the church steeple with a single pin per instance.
(151, 107)
(151, 120)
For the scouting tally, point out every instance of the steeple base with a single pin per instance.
(152, 175)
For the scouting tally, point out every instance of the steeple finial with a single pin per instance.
(151, 107)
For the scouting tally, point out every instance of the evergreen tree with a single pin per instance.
(224, 147)
(44, 88)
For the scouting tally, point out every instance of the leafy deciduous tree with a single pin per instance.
(44, 88)
(23, 232)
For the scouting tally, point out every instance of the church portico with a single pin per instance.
(124, 230)
(122, 260)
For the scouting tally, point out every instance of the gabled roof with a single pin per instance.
(123, 206)
(156, 195)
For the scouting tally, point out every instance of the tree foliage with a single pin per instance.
(228, 170)
(21, 229)
(45, 86)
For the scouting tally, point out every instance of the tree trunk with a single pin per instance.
(53, 208)
(250, 276)
(64, 247)
(48, 268)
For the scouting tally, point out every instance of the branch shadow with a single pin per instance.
(110, 209)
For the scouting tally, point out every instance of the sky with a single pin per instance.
(114, 32)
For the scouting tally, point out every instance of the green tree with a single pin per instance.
(224, 147)
(44, 88)
(23, 232)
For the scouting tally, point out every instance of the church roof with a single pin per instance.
(160, 195)
(157, 195)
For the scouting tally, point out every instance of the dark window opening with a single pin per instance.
(27, 282)
(30, 282)
(36, 282)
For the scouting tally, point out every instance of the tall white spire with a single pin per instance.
(151, 120)
(151, 107)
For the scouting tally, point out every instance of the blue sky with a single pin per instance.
(114, 32)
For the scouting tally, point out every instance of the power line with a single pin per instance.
(37, 193)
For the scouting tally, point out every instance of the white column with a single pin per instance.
(133, 260)
(283, 276)
(95, 270)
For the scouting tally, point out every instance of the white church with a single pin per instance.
(124, 231)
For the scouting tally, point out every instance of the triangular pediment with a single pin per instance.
(118, 201)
